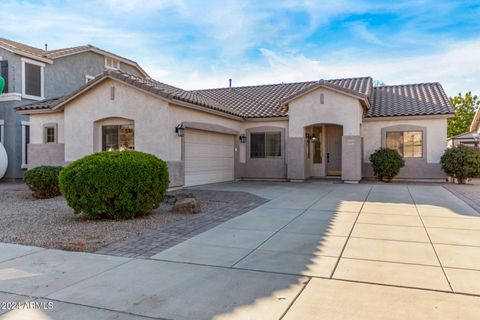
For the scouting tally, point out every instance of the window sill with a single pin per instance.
(29, 97)
(13, 96)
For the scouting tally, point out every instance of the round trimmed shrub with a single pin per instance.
(43, 181)
(115, 184)
(386, 164)
(461, 163)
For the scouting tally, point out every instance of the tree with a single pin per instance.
(465, 108)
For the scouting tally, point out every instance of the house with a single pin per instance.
(470, 139)
(33, 74)
(287, 131)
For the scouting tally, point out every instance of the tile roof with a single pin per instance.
(265, 101)
(59, 53)
(409, 100)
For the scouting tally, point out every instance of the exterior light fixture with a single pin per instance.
(180, 130)
(314, 138)
(242, 138)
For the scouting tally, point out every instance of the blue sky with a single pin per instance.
(200, 44)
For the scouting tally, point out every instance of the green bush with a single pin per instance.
(386, 164)
(115, 184)
(461, 163)
(43, 181)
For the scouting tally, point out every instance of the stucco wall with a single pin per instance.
(337, 109)
(436, 135)
(37, 123)
(149, 114)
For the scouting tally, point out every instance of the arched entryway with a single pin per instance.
(323, 150)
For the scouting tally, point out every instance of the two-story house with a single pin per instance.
(33, 74)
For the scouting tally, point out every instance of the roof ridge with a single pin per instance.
(282, 83)
(408, 84)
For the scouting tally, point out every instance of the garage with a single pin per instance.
(209, 157)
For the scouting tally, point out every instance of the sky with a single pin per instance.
(201, 44)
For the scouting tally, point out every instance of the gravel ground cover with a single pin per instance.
(50, 223)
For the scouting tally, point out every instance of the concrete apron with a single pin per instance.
(400, 250)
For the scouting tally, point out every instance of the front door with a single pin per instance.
(334, 150)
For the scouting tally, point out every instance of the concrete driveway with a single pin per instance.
(315, 251)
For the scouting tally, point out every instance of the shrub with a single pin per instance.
(386, 163)
(43, 181)
(461, 163)
(115, 184)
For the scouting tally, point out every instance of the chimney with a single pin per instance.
(230, 83)
(46, 46)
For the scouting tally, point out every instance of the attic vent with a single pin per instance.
(322, 98)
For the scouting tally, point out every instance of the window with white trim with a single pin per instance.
(25, 142)
(112, 63)
(2, 131)
(32, 79)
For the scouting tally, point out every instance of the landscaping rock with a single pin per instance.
(186, 205)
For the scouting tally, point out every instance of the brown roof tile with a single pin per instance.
(265, 101)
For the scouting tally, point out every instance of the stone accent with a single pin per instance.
(415, 169)
(149, 244)
(186, 205)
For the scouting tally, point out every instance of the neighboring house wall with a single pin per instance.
(63, 76)
(434, 144)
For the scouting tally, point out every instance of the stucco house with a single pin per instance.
(287, 131)
(34, 74)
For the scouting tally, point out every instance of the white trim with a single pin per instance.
(42, 79)
(2, 131)
(114, 61)
(24, 141)
(12, 96)
(88, 78)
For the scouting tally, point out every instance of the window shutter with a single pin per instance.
(4, 74)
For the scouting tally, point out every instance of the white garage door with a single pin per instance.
(209, 157)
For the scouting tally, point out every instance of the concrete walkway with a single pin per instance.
(315, 251)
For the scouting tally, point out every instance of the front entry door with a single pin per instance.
(334, 150)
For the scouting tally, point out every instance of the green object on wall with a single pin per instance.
(2, 84)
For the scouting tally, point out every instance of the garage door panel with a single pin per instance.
(209, 157)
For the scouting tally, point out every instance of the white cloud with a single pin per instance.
(456, 67)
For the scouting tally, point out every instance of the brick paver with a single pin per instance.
(470, 193)
(146, 245)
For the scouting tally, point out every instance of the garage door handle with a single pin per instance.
(328, 157)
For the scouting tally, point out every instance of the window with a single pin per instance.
(409, 144)
(25, 142)
(118, 137)
(2, 131)
(112, 63)
(317, 145)
(32, 79)
(4, 74)
(265, 145)
(50, 133)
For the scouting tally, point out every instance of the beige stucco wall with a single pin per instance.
(37, 122)
(149, 113)
(436, 135)
(337, 109)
